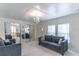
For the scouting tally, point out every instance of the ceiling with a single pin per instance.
(51, 10)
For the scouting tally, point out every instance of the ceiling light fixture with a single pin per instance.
(36, 19)
(36, 14)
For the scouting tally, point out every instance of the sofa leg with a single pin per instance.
(62, 54)
(39, 43)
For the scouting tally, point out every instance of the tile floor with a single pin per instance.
(31, 48)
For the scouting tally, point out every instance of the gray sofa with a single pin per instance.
(11, 50)
(52, 42)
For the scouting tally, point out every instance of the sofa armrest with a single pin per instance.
(64, 43)
(13, 40)
(64, 46)
(39, 40)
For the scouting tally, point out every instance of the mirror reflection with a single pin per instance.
(25, 32)
(12, 33)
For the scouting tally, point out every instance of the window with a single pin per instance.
(59, 30)
(63, 30)
(13, 29)
(51, 30)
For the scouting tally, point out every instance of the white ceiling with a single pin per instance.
(51, 10)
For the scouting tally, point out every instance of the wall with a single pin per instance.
(73, 20)
(22, 22)
(2, 29)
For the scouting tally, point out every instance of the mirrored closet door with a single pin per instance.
(26, 32)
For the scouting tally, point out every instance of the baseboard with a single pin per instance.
(73, 52)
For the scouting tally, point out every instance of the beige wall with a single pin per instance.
(2, 29)
(22, 22)
(73, 20)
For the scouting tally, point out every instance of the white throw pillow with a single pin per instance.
(60, 41)
(7, 40)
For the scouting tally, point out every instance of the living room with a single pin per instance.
(46, 29)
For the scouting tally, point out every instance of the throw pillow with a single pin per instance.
(60, 40)
(7, 40)
(48, 38)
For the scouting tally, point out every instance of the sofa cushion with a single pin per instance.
(8, 36)
(51, 43)
(56, 39)
(48, 37)
(60, 40)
